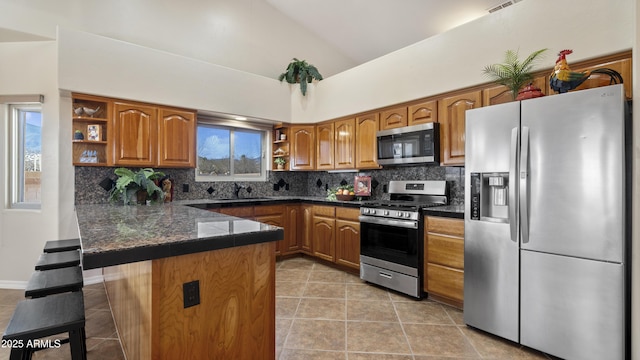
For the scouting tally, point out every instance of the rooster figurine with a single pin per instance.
(562, 79)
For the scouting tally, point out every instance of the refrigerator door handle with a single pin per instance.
(513, 176)
(524, 177)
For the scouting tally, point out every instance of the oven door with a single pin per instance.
(396, 241)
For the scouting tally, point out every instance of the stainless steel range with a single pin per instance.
(392, 233)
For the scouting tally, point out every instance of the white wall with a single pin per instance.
(454, 60)
(97, 65)
(31, 68)
(248, 35)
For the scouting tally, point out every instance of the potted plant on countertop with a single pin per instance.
(280, 162)
(142, 183)
(512, 73)
(300, 71)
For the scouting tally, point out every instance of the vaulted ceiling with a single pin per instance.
(257, 36)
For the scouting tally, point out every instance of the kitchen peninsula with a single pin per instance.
(152, 256)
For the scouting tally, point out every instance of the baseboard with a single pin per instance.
(93, 280)
(14, 285)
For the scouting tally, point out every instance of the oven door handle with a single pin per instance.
(389, 222)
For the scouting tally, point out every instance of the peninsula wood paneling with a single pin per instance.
(234, 320)
(236, 315)
(129, 290)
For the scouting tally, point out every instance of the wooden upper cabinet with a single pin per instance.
(366, 144)
(422, 113)
(345, 142)
(500, 94)
(325, 147)
(303, 155)
(135, 134)
(451, 115)
(176, 143)
(393, 118)
(622, 66)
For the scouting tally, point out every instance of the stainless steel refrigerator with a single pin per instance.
(547, 223)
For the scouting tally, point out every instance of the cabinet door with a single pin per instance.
(292, 229)
(348, 243)
(393, 118)
(324, 242)
(367, 144)
(422, 113)
(136, 131)
(303, 153)
(345, 144)
(324, 149)
(306, 244)
(177, 141)
(275, 220)
(451, 116)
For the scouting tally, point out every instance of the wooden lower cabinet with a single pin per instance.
(306, 239)
(348, 237)
(324, 241)
(326, 232)
(444, 259)
(292, 229)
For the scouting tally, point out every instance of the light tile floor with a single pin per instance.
(323, 313)
(102, 338)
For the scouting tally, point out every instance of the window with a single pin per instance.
(230, 153)
(25, 151)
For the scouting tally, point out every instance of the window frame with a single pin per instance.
(232, 126)
(16, 155)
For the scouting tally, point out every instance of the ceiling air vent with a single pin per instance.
(503, 5)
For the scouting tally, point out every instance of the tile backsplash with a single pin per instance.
(294, 183)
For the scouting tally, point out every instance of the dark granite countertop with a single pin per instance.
(219, 203)
(450, 211)
(116, 234)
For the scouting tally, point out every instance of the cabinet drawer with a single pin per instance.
(445, 226)
(347, 213)
(328, 211)
(269, 210)
(445, 281)
(445, 250)
(242, 212)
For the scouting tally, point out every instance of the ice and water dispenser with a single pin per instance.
(489, 197)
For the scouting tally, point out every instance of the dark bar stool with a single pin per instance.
(61, 245)
(58, 260)
(51, 315)
(55, 281)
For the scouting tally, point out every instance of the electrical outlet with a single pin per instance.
(191, 293)
(185, 187)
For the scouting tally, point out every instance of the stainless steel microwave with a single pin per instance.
(417, 144)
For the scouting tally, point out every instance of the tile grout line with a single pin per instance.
(406, 338)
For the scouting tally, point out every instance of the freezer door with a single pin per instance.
(572, 308)
(572, 174)
(491, 256)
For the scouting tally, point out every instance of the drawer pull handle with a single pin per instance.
(385, 275)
